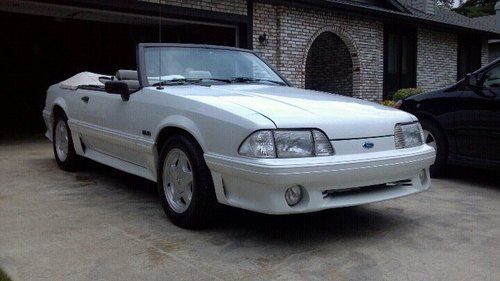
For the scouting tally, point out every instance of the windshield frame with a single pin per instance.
(141, 67)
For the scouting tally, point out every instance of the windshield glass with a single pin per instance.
(185, 63)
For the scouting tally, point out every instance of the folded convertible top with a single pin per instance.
(83, 79)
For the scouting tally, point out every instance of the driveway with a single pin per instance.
(101, 224)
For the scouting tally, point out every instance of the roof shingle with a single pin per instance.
(442, 16)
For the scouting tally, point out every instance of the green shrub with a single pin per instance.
(408, 92)
(389, 103)
(3, 276)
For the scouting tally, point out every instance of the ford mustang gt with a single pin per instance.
(217, 125)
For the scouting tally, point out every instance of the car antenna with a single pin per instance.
(160, 87)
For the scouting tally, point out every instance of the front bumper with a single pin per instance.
(259, 184)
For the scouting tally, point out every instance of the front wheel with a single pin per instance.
(185, 185)
(62, 143)
(434, 137)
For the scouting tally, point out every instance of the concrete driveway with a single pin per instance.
(101, 224)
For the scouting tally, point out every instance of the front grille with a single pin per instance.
(362, 189)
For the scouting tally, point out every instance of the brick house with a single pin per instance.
(363, 48)
(369, 49)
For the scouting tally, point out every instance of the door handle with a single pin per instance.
(85, 99)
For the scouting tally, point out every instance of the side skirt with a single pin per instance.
(119, 164)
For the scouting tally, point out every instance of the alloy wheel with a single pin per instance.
(178, 180)
(61, 140)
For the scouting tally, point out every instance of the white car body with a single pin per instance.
(124, 135)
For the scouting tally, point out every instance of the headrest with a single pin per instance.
(133, 85)
(123, 74)
(199, 74)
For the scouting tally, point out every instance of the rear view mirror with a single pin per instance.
(118, 88)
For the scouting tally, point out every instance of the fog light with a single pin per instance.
(293, 195)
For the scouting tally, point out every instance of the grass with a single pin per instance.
(3, 276)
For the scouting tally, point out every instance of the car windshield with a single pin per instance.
(188, 64)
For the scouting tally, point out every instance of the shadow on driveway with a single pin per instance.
(473, 176)
(352, 222)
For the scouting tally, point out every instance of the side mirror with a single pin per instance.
(118, 88)
(472, 81)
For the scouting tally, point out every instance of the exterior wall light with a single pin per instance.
(263, 39)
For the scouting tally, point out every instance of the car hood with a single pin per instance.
(338, 116)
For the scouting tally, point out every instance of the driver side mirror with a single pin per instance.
(118, 88)
(474, 81)
(471, 80)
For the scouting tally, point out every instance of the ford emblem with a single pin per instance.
(368, 145)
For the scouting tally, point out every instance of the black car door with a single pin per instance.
(477, 118)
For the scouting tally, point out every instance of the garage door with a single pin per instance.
(40, 50)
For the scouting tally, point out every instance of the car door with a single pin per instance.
(477, 118)
(109, 125)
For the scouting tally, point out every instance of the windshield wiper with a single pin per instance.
(219, 80)
(178, 81)
(250, 79)
(181, 81)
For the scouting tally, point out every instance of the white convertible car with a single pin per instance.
(217, 125)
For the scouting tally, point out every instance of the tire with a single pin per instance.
(433, 132)
(188, 201)
(66, 159)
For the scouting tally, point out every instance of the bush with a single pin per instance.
(404, 93)
(389, 103)
(3, 276)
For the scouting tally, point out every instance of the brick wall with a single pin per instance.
(291, 32)
(485, 53)
(436, 59)
(226, 6)
(265, 21)
(329, 65)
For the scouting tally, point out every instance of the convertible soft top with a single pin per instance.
(83, 79)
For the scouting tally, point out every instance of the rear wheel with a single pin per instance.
(434, 137)
(185, 185)
(62, 143)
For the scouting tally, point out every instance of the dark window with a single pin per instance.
(469, 55)
(400, 59)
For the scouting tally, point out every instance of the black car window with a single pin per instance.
(492, 78)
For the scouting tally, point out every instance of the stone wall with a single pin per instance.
(291, 32)
(436, 59)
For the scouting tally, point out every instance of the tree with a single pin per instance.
(477, 8)
(446, 3)
(450, 4)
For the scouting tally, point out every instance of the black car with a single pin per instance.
(462, 121)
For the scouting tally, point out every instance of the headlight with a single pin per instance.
(408, 135)
(292, 144)
(259, 144)
(286, 144)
